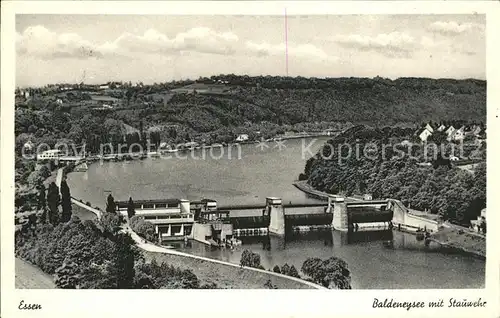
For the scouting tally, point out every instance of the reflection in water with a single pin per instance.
(324, 235)
(327, 236)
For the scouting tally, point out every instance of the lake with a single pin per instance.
(248, 176)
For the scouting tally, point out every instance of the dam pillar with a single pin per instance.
(274, 207)
(340, 221)
(399, 210)
(331, 202)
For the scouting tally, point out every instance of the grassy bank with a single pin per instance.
(223, 275)
(461, 240)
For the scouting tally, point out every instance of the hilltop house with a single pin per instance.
(424, 133)
(473, 131)
(479, 224)
(441, 128)
(429, 128)
(450, 131)
(457, 134)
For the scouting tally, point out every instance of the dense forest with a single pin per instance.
(438, 186)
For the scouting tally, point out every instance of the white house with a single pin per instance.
(458, 134)
(242, 137)
(441, 128)
(171, 218)
(477, 224)
(425, 134)
(429, 128)
(476, 130)
(50, 154)
(450, 131)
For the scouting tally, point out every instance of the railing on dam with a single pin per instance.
(260, 206)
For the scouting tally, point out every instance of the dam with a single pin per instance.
(206, 222)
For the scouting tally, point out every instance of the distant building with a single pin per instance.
(171, 218)
(242, 137)
(458, 134)
(449, 132)
(479, 225)
(50, 154)
(104, 87)
(441, 128)
(429, 128)
(424, 133)
(474, 131)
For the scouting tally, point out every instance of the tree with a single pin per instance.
(67, 275)
(110, 223)
(123, 262)
(42, 203)
(32, 223)
(331, 273)
(276, 269)
(285, 269)
(65, 202)
(250, 259)
(53, 201)
(110, 204)
(293, 272)
(130, 208)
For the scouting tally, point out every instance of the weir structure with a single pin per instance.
(209, 223)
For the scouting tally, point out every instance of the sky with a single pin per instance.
(147, 48)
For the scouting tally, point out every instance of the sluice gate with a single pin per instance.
(279, 218)
(292, 220)
(250, 222)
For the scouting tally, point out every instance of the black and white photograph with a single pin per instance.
(278, 151)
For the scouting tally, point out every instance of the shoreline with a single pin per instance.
(148, 153)
(306, 188)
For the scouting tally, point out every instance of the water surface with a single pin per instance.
(269, 171)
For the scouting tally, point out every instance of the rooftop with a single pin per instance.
(52, 151)
(153, 201)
